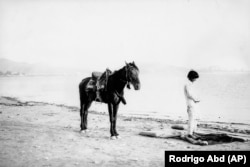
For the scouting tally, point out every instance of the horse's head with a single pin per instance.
(132, 75)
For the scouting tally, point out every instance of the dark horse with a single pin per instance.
(112, 95)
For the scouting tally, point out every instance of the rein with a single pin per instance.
(127, 82)
(121, 98)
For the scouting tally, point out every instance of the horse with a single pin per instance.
(112, 95)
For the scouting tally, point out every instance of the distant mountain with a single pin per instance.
(221, 69)
(44, 69)
(35, 69)
(8, 66)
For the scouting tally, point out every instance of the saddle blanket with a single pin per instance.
(202, 138)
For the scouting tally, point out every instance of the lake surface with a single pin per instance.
(224, 96)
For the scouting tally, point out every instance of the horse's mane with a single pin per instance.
(129, 64)
(123, 68)
(116, 72)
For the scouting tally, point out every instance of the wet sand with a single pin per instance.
(43, 134)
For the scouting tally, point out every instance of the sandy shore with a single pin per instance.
(41, 134)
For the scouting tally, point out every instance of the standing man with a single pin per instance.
(192, 101)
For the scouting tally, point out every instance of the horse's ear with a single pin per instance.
(126, 63)
(133, 63)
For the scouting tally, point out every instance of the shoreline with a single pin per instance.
(39, 134)
(232, 127)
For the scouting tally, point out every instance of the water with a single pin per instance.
(224, 96)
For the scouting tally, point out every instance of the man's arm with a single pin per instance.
(191, 94)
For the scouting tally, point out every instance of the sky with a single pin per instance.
(106, 33)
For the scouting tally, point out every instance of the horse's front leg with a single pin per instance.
(115, 111)
(110, 109)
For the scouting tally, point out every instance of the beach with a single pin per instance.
(46, 134)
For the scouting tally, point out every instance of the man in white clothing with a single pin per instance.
(191, 100)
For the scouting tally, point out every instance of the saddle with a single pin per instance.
(98, 80)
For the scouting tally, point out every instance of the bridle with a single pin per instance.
(127, 82)
(127, 78)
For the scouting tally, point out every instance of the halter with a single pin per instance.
(127, 80)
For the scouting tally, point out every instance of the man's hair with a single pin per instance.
(192, 75)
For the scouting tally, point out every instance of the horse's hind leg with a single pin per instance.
(115, 110)
(84, 116)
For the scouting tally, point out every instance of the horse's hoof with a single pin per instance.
(84, 131)
(118, 137)
(113, 138)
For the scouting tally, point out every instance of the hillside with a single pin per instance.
(9, 66)
(35, 69)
